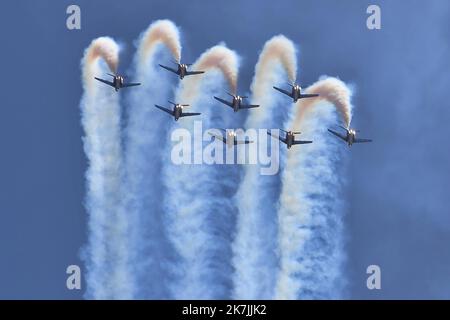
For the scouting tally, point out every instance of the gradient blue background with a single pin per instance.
(398, 187)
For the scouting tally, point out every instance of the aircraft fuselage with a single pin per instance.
(182, 68)
(289, 139)
(177, 111)
(118, 82)
(351, 136)
(296, 92)
(237, 103)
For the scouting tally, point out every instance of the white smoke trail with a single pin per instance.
(106, 254)
(311, 210)
(254, 247)
(145, 140)
(199, 209)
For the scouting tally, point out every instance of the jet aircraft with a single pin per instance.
(237, 103)
(350, 136)
(230, 138)
(182, 70)
(296, 92)
(118, 82)
(289, 138)
(177, 110)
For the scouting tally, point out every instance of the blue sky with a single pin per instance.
(397, 194)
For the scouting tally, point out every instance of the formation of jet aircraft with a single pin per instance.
(230, 138)
(118, 82)
(177, 110)
(296, 92)
(237, 102)
(289, 138)
(182, 70)
(350, 136)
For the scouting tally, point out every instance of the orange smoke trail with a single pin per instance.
(217, 57)
(160, 32)
(279, 49)
(332, 90)
(101, 48)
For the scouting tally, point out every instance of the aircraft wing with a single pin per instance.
(308, 95)
(130, 85)
(164, 109)
(338, 135)
(188, 114)
(277, 137)
(228, 103)
(283, 91)
(109, 83)
(190, 73)
(302, 142)
(248, 106)
(170, 69)
(362, 140)
(243, 142)
(216, 136)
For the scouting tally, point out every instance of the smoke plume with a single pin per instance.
(106, 254)
(255, 251)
